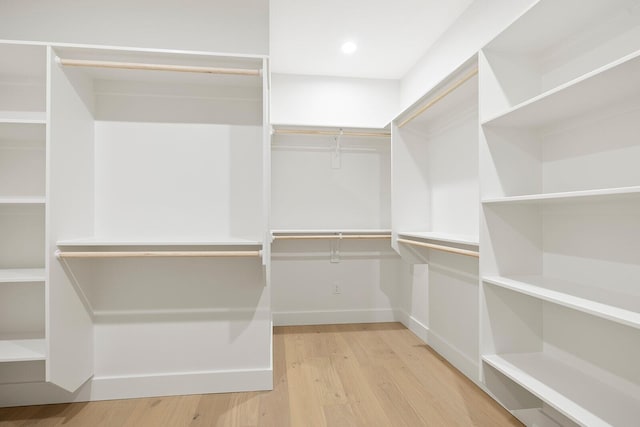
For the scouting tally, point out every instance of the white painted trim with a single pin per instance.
(457, 358)
(127, 387)
(331, 317)
(414, 325)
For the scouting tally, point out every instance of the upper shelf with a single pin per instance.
(348, 234)
(612, 83)
(441, 237)
(162, 66)
(455, 95)
(569, 196)
(561, 20)
(97, 242)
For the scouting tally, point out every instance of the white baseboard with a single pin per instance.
(414, 325)
(457, 358)
(127, 387)
(329, 317)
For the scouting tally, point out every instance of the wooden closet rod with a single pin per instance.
(441, 248)
(151, 254)
(157, 67)
(438, 98)
(330, 133)
(333, 236)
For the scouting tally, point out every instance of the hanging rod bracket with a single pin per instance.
(335, 249)
(336, 161)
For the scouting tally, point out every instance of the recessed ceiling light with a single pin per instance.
(349, 47)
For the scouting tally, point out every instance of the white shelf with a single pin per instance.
(441, 237)
(227, 241)
(562, 20)
(330, 231)
(22, 350)
(582, 397)
(617, 307)
(22, 275)
(534, 417)
(23, 117)
(614, 82)
(22, 200)
(569, 196)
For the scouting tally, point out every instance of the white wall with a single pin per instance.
(240, 26)
(333, 101)
(480, 23)
(304, 283)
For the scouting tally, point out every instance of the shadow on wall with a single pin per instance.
(173, 290)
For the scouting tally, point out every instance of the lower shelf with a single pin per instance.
(582, 397)
(22, 350)
(617, 307)
(17, 275)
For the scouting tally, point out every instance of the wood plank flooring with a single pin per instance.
(336, 375)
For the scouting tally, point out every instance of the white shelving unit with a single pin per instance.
(560, 310)
(158, 218)
(435, 198)
(22, 212)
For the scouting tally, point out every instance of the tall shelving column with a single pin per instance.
(158, 221)
(22, 212)
(560, 189)
(435, 215)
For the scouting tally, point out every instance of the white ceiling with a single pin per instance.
(306, 35)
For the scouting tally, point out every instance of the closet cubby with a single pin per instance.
(560, 194)
(330, 225)
(579, 39)
(22, 162)
(554, 148)
(22, 83)
(435, 168)
(330, 179)
(435, 197)
(576, 254)
(581, 366)
(173, 149)
(22, 326)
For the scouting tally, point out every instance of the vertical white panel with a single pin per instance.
(70, 194)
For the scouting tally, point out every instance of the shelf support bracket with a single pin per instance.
(336, 162)
(335, 249)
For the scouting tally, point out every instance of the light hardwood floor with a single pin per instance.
(336, 375)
